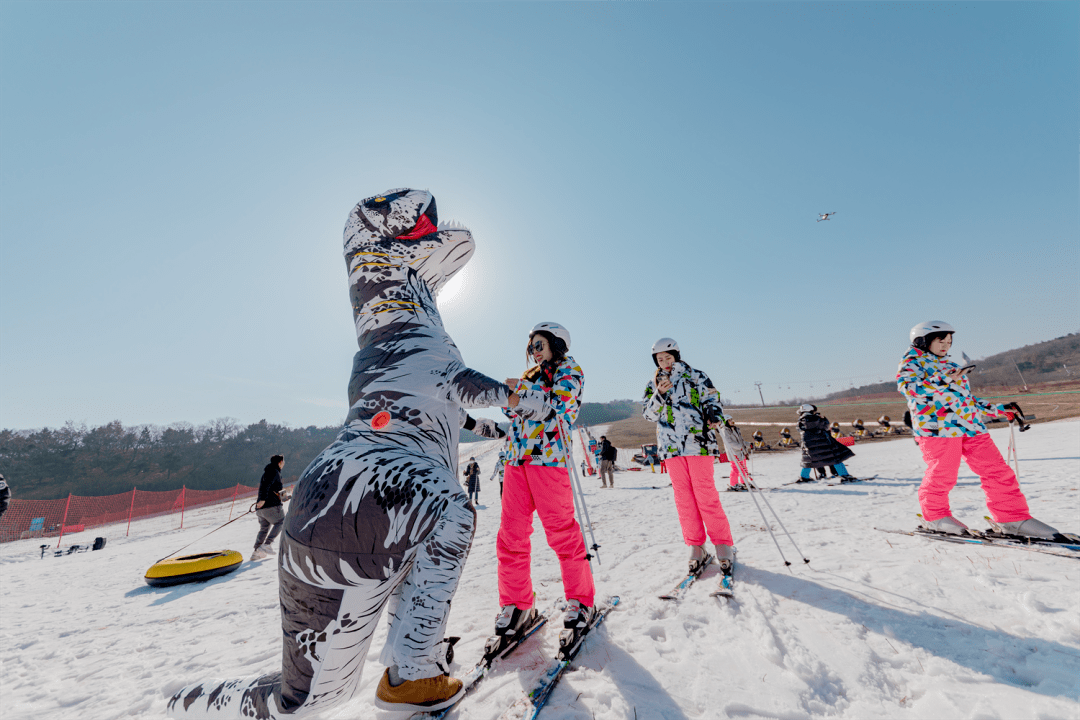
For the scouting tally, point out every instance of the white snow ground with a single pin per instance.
(877, 626)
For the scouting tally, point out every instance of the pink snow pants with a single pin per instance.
(735, 477)
(697, 500)
(545, 491)
(942, 455)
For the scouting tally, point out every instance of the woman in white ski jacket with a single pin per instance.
(684, 405)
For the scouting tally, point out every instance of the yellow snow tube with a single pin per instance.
(192, 568)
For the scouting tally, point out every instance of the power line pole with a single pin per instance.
(1020, 374)
(759, 394)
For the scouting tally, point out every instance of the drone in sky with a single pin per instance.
(825, 216)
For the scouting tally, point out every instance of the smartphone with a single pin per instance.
(660, 377)
(967, 368)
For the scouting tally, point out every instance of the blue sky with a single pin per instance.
(175, 178)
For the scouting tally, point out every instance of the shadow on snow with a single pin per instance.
(995, 653)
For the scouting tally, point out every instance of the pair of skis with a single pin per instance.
(849, 482)
(1065, 545)
(498, 648)
(817, 481)
(529, 705)
(725, 589)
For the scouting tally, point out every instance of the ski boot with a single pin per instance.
(848, 478)
(948, 525)
(1030, 528)
(509, 625)
(575, 624)
(699, 558)
(725, 556)
(738, 487)
(417, 695)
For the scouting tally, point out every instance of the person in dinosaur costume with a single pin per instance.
(378, 518)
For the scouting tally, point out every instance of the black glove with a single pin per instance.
(1018, 416)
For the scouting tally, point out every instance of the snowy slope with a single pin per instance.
(877, 626)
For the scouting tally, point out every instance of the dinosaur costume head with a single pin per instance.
(395, 237)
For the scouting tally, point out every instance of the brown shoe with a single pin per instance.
(433, 693)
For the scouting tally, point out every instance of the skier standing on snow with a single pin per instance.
(269, 509)
(947, 422)
(819, 448)
(736, 482)
(684, 404)
(538, 481)
(472, 474)
(500, 469)
(608, 453)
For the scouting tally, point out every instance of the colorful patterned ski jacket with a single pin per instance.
(939, 406)
(682, 414)
(534, 437)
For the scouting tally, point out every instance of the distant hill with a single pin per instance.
(600, 413)
(1051, 361)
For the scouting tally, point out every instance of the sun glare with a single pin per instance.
(450, 291)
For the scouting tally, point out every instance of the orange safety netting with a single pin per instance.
(75, 513)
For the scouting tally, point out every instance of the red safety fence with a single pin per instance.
(75, 513)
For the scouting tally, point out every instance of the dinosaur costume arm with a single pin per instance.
(471, 389)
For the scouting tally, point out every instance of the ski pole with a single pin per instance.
(779, 521)
(580, 502)
(750, 484)
(577, 494)
(765, 520)
(1012, 451)
(755, 489)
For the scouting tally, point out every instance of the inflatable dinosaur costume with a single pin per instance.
(379, 516)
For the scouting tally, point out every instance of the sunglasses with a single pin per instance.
(537, 346)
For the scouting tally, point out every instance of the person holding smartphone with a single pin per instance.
(537, 482)
(947, 421)
(684, 405)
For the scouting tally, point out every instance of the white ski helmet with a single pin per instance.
(807, 408)
(555, 329)
(664, 345)
(919, 332)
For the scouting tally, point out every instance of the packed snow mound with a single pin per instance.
(877, 626)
